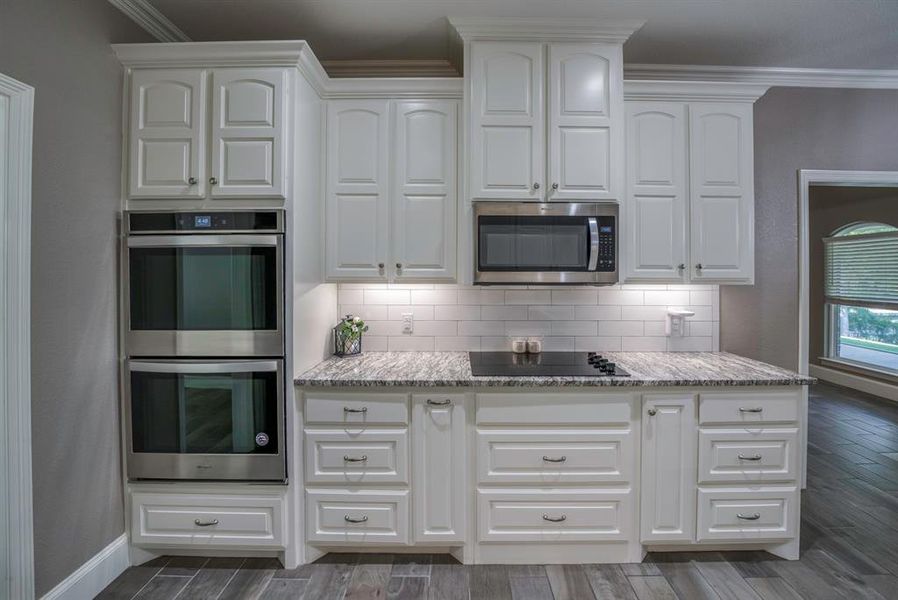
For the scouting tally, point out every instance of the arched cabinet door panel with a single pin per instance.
(507, 131)
(167, 129)
(248, 129)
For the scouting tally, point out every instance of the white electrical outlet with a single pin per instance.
(408, 322)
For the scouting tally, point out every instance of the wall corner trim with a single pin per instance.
(151, 20)
(886, 79)
(92, 577)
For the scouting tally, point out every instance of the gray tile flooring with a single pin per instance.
(849, 533)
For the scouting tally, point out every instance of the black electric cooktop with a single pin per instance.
(545, 364)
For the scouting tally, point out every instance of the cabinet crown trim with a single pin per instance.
(886, 79)
(686, 91)
(545, 29)
(151, 20)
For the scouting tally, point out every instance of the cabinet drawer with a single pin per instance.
(735, 514)
(528, 456)
(360, 408)
(748, 407)
(737, 455)
(534, 515)
(607, 410)
(351, 516)
(209, 520)
(369, 456)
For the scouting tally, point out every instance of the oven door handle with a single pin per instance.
(163, 241)
(182, 366)
(593, 243)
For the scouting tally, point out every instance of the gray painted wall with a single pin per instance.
(61, 47)
(798, 129)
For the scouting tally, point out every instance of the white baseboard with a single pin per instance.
(855, 382)
(94, 575)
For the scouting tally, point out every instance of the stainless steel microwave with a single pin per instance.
(204, 284)
(553, 243)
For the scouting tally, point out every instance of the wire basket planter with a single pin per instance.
(348, 336)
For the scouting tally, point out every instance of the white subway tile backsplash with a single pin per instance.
(450, 317)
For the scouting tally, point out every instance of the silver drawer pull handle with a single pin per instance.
(555, 519)
(555, 460)
(210, 523)
(753, 517)
(346, 409)
(751, 410)
(445, 402)
(362, 458)
(752, 457)
(361, 519)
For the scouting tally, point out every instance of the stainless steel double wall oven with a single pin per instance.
(204, 338)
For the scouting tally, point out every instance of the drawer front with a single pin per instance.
(541, 457)
(351, 517)
(532, 515)
(736, 514)
(369, 456)
(736, 455)
(748, 407)
(602, 409)
(356, 409)
(207, 520)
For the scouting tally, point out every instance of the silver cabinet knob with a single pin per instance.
(380, 266)
(652, 412)
(554, 186)
(699, 267)
(681, 266)
(536, 186)
(398, 265)
(191, 180)
(213, 181)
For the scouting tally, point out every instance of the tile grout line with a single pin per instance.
(192, 577)
(230, 579)
(159, 570)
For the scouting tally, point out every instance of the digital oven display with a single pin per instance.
(606, 229)
(202, 221)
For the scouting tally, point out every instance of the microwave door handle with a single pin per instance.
(593, 243)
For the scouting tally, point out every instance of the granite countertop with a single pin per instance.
(453, 369)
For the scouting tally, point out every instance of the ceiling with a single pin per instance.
(775, 33)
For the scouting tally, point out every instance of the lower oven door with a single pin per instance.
(220, 420)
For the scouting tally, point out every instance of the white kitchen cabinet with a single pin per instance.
(410, 157)
(186, 145)
(690, 199)
(167, 133)
(722, 192)
(507, 119)
(546, 121)
(655, 246)
(248, 130)
(356, 197)
(669, 434)
(424, 183)
(585, 121)
(439, 458)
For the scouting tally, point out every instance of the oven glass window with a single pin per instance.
(524, 243)
(217, 413)
(203, 288)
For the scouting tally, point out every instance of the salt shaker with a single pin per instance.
(534, 346)
(519, 346)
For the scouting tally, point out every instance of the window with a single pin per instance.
(861, 290)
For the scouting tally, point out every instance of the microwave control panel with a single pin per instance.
(607, 244)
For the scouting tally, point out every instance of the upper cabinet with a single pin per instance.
(188, 143)
(546, 121)
(689, 214)
(391, 190)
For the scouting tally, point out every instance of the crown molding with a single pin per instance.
(769, 76)
(543, 29)
(693, 91)
(150, 19)
(394, 87)
(389, 68)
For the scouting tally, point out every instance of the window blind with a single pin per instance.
(862, 270)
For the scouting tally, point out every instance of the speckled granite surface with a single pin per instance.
(453, 369)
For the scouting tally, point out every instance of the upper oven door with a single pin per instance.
(567, 243)
(205, 295)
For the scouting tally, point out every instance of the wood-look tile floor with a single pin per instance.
(849, 535)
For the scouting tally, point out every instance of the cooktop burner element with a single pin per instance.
(545, 364)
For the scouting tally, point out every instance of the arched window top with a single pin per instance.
(863, 228)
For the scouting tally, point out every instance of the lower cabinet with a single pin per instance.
(743, 513)
(350, 516)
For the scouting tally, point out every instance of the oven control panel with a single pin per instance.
(607, 244)
(218, 221)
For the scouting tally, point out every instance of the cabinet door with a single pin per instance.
(424, 207)
(249, 125)
(167, 133)
(656, 192)
(438, 463)
(507, 129)
(356, 196)
(586, 111)
(668, 467)
(722, 192)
